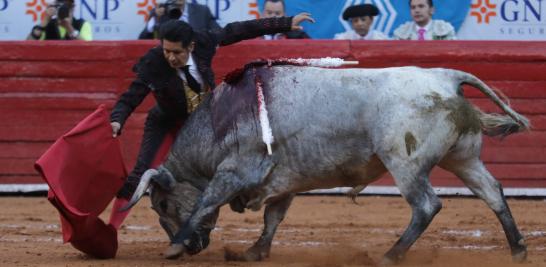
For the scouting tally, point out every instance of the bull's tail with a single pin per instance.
(495, 124)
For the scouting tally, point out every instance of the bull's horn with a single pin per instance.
(141, 188)
(165, 179)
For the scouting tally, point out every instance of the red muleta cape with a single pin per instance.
(84, 170)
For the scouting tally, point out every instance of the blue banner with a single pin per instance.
(393, 13)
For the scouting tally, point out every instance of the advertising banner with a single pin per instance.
(111, 19)
(124, 19)
(505, 20)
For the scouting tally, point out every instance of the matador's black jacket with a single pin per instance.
(155, 74)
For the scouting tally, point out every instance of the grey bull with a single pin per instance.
(331, 128)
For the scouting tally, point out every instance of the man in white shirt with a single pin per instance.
(361, 19)
(423, 27)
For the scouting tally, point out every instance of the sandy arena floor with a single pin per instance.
(318, 231)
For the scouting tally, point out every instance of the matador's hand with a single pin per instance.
(299, 18)
(116, 126)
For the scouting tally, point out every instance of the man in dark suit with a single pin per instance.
(177, 70)
(276, 9)
(198, 16)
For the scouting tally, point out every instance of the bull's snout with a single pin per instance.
(191, 246)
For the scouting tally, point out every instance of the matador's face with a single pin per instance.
(176, 54)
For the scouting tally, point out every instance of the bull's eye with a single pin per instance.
(163, 205)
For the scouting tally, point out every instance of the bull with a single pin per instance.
(331, 128)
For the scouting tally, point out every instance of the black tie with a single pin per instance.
(192, 83)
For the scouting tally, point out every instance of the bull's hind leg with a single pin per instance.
(416, 189)
(273, 216)
(474, 174)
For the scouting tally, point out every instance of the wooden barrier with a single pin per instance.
(47, 87)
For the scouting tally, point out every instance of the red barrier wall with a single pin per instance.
(47, 87)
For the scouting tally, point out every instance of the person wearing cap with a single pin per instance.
(361, 19)
(423, 27)
(58, 23)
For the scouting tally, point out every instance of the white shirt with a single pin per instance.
(151, 23)
(275, 36)
(428, 32)
(193, 71)
(435, 30)
(352, 35)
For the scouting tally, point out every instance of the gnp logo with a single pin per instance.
(482, 10)
(510, 10)
(216, 6)
(96, 9)
(253, 10)
(383, 22)
(144, 8)
(36, 9)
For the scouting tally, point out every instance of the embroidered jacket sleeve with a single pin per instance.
(138, 90)
(243, 30)
(128, 101)
(207, 42)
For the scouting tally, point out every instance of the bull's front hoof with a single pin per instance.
(175, 251)
(387, 262)
(519, 252)
(519, 257)
(390, 260)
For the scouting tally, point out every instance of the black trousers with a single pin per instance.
(156, 127)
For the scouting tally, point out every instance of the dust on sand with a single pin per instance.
(318, 231)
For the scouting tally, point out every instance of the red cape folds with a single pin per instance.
(84, 170)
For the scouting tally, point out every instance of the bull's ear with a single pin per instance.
(164, 180)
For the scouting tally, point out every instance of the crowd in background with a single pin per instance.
(59, 23)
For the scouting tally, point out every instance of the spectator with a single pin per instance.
(198, 16)
(423, 27)
(178, 72)
(276, 9)
(58, 23)
(361, 19)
